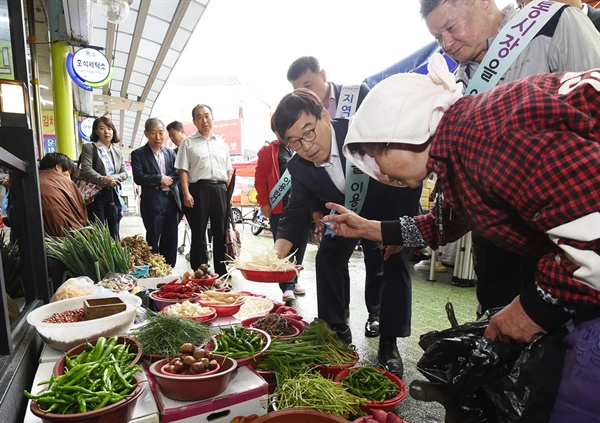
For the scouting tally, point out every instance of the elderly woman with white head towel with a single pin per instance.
(517, 164)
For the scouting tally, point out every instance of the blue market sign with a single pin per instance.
(85, 128)
(89, 68)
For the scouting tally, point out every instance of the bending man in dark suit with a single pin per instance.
(302, 123)
(154, 170)
(306, 72)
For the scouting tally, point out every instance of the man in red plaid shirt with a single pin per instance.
(520, 165)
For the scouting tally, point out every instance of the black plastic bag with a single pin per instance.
(527, 393)
(482, 380)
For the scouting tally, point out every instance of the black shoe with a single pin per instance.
(343, 332)
(389, 356)
(463, 283)
(372, 326)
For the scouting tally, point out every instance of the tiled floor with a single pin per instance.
(429, 300)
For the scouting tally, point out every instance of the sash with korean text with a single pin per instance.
(510, 42)
(280, 189)
(357, 182)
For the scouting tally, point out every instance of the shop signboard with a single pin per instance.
(89, 68)
(50, 143)
(85, 128)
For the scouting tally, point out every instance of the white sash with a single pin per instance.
(357, 182)
(510, 42)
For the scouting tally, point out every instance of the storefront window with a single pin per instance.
(6, 64)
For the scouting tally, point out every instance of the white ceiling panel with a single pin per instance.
(155, 29)
(123, 42)
(148, 49)
(162, 9)
(143, 66)
(181, 39)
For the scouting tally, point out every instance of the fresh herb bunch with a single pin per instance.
(164, 335)
(318, 344)
(309, 389)
(370, 383)
(89, 251)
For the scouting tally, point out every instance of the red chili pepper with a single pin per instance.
(174, 295)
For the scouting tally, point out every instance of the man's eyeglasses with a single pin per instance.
(308, 136)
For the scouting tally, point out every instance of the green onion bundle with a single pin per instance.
(89, 251)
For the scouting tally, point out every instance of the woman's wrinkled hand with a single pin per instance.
(512, 323)
(350, 225)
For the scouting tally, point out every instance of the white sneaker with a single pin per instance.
(423, 265)
(426, 264)
(288, 296)
(299, 289)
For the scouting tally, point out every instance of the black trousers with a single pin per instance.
(396, 289)
(210, 202)
(501, 274)
(161, 218)
(106, 207)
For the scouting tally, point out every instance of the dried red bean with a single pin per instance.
(68, 316)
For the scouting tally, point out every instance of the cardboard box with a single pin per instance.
(246, 394)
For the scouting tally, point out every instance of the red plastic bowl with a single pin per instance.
(134, 347)
(278, 276)
(161, 303)
(223, 310)
(163, 369)
(119, 412)
(195, 388)
(205, 281)
(387, 405)
(253, 294)
(297, 324)
(246, 360)
(331, 372)
(299, 415)
(205, 318)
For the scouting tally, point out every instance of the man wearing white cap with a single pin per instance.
(517, 164)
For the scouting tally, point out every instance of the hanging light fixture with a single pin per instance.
(115, 11)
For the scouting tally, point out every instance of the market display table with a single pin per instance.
(246, 394)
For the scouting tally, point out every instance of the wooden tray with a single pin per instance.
(94, 308)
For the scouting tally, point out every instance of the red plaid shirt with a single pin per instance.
(520, 165)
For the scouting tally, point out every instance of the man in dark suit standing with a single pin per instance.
(306, 72)
(154, 170)
(317, 171)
